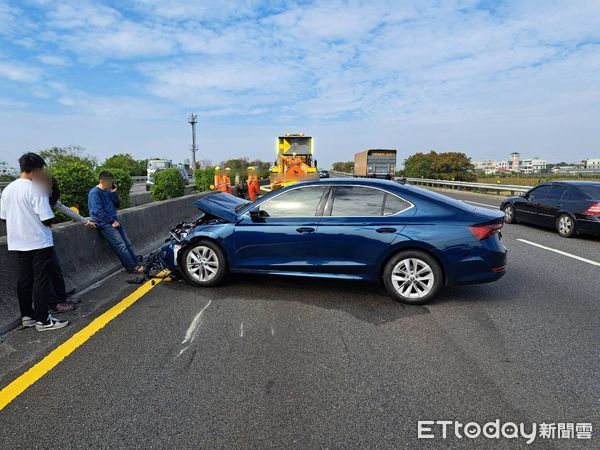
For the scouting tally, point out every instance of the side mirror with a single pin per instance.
(256, 214)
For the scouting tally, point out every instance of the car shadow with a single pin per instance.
(368, 302)
(553, 232)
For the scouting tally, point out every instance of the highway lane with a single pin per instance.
(277, 362)
(138, 188)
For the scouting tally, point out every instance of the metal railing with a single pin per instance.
(467, 185)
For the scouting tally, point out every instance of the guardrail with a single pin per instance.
(466, 185)
(457, 185)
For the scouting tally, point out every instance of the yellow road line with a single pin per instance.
(17, 386)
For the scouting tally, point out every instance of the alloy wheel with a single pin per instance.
(202, 263)
(565, 225)
(413, 278)
(508, 214)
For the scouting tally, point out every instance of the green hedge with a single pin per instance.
(75, 179)
(168, 183)
(204, 178)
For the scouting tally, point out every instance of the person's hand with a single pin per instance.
(113, 188)
(89, 224)
(116, 224)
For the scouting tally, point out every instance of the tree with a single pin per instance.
(7, 173)
(167, 184)
(54, 155)
(75, 179)
(126, 162)
(344, 167)
(204, 178)
(443, 166)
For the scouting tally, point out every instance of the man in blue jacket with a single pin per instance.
(103, 202)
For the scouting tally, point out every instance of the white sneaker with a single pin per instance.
(27, 322)
(51, 324)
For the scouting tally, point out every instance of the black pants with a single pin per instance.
(57, 289)
(34, 270)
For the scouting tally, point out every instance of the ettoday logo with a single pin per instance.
(430, 429)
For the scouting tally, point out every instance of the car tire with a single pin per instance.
(413, 277)
(509, 213)
(565, 225)
(203, 263)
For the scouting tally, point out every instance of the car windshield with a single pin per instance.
(591, 191)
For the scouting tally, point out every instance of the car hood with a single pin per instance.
(221, 205)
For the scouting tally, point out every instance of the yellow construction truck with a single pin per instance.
(294, 161)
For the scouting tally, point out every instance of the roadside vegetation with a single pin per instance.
(533, 179)
(167, 184)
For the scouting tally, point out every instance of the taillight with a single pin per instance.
(593, 210)
(485, 231)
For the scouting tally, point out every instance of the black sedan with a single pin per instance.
(568, 206)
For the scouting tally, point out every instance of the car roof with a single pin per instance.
(351, 180)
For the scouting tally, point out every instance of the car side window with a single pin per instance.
(300, 202)
(394, 205)
(555, 193)
(539, 192)
(571, 194)
(357, 201)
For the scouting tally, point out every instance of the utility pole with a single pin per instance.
(193, 120)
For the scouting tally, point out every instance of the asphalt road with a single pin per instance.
(138, 188)
(281, 362)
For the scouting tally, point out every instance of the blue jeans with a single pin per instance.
(122, 246)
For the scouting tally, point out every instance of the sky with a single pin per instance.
(483, 77)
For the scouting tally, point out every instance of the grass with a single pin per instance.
(533, 181)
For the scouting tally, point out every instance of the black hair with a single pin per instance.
(31, 161)
(55, 193)
(105, 174)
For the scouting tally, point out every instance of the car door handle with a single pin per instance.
(559, 205)
(386, 230)
(305, 230)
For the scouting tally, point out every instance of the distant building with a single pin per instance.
(204, 163)
(592, 164)
(502, 166)
(535, 165)
(515, 162)
(488, 166)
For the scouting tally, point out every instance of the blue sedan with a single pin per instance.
(413, 240)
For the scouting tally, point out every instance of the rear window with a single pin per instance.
(556, 192)
(357, 201)
(591, 192)
(394, 205)
(571, 194)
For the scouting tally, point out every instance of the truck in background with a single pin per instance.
(294, 161)
(154, 165)
(375, 163)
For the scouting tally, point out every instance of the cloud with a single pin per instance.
(390, 64)
(19, 72)
(54, 60)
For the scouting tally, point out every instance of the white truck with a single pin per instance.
(155, 165)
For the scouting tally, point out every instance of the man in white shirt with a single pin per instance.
(26, 209)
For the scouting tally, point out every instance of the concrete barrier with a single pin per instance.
(142, 198)
(85, 256)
